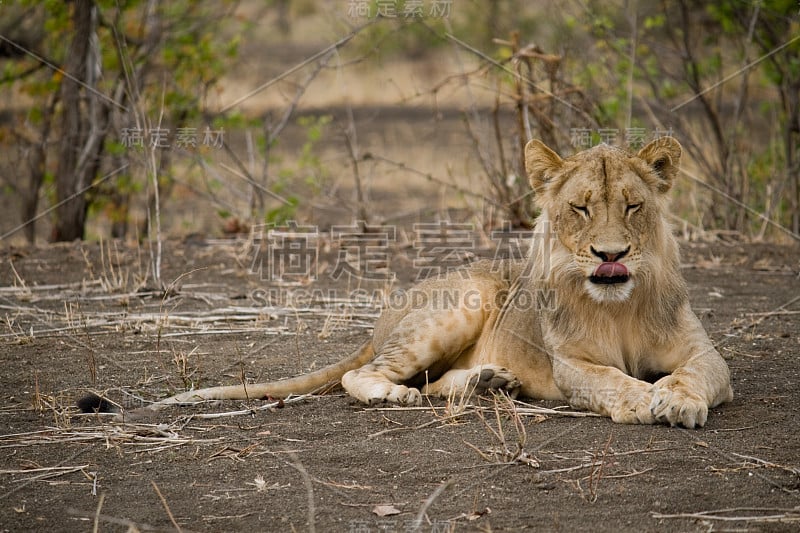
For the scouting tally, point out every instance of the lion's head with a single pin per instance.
(606, 208)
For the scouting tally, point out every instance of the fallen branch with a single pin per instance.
(526, 410)
(166, 506)
(786, 515)
(417, 525)
(249, 411)
(297, 465)
(130, 524)
(51, 471)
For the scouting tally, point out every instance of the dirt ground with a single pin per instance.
(81, 321)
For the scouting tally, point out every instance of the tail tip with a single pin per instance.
(92, 403)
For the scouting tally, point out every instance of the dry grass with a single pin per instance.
(222, 320)
(78, 315)
(509, 447)
(589, 486)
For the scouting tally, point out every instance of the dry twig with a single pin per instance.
(776, 515)
(166, 506)
(417, 525)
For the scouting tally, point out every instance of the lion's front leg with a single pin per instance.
(684, 397)
(604, 389)
(698, 378)
(476, 380)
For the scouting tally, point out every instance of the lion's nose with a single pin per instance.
(610, 256)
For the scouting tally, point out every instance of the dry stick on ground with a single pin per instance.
(529, 411)
(523, 409)
(166, 506)
(768, 464)
(526, 409)
(567, 469)
(631, 474)
(47, 472)
(786, 515)
(428, 502)
(134, 435)
(130, 524)
(596, 475)
(728, 456)
(502, 454)
(297, 465)
(96, 526)
(18, 279)
(413, 428)
(774, 313)
(31, 480)
(756, 320)
(249, 410)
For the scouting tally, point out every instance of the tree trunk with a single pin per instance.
(792, 140)
(82, 125)
(37, 162)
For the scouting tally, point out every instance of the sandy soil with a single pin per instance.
(325, 463)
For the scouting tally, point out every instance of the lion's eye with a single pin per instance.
(632, 208)
(580, 209)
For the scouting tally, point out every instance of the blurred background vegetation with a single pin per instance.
(126, 119)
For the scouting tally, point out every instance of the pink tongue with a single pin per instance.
(610, 270)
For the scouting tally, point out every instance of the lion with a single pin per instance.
(613, 334)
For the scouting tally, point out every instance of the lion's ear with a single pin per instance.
(540, 162)
(664, 156)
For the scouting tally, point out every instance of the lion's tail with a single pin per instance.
(277, 389)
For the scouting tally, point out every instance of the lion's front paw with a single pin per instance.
(373, 389)
(678, 408)
(404, 395)
(387, 392)
(495, 378)
(633, 408)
